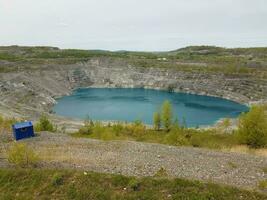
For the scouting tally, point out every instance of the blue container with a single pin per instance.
(23, 130)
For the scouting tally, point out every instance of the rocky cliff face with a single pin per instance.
(32, 92)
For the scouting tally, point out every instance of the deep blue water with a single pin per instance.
(132, 104)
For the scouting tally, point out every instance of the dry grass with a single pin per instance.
(262, 185)
(246, 150)
(63, 155)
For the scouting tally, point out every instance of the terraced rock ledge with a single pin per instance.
(32, 78)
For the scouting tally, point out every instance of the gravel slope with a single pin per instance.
(145, 159)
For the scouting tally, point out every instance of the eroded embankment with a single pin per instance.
(29, 93)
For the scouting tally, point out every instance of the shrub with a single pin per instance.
(232, 165)
(72, 192)
(44, 124)
(134, 184)
(117, 128)
(87, 129)
(156, 121)
(262, 185)
(137, 128)
(176, 138)
(161, 173)
(226, 123)
(210, 140)
(22, 155)
(166, 115)
(264, 169)
(57, 179)
(184, 124)
(98, 128)
(6, 128)
(253, 127)
(176, 126)
(6, 124)
(1, 119)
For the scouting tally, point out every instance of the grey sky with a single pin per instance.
(133, 24)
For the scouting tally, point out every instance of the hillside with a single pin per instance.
(63, 184)
(69, 168)
(32, 77)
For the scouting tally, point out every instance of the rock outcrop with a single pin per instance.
(31, 92)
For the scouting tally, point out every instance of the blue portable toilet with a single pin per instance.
(23, 130)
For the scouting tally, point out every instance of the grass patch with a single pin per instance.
(9, 57)
(161, 173)
(21, 155)
(36, 184)
(199, 59)
(232, 165)
(6, 128)
(264, 170)
(176, 136)
(263, 185)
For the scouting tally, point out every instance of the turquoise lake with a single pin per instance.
(118, 104)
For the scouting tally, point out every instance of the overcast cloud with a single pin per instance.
(133, 24)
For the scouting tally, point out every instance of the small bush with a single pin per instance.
(232, 165)
(224, 126)
(6, 124)
(264, 169)
(209, 140)
(137, 129)
(119, 180)
(161, 173)
(57, 179)
(253, 128)
(157, 121)
(176, 138)
(5, 128)
(22, 155)
(134, 184)
(117, 128)
(262, 185)
(85, 130)
(72, 192)
(44, 124)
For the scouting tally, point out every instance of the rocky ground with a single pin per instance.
(28, 93)
(145, 159)
(33, 87)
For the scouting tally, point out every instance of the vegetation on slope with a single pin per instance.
(176, 136)
(55, 184)
(253, 127)
(44, 124)
(6, 127)
(22, 155)
(205, 59)
(252, 131)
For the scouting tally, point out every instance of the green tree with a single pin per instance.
(166, 115)
(157, 121)
(253, 127)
